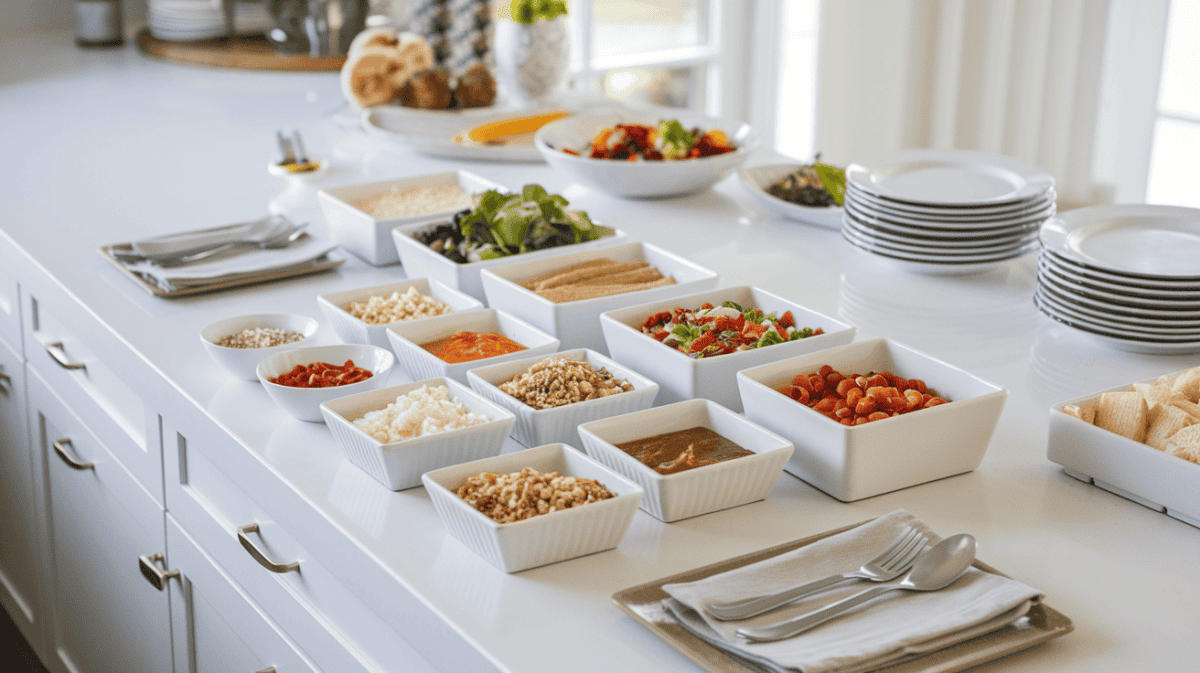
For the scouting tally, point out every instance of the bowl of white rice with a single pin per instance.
(239, 344)
(397, 434)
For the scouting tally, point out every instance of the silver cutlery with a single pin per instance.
(893, 562)
(937, 569)
(282, 239)
(301, 155)
(285, 148)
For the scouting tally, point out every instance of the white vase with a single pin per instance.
(531, 59)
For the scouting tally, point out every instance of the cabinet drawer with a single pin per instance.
(218, 628)
(107, 617)
(100, 396)
(336, 629)
(10, 309)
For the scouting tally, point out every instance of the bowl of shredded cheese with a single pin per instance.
(239, 344)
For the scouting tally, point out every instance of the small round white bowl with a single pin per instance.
(305, 403)
(642, 178)
(301, 176)
(243, 362)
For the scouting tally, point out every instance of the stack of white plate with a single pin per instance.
(946, 211)
(191, 20)
(1128, 275)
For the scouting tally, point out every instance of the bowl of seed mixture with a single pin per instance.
(239, 344)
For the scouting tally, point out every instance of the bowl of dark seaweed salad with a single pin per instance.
(809, 193)
(502, 229)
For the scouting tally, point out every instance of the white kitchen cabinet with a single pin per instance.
(10, 308)
(20, 584)
(107, 617)
(217, 627)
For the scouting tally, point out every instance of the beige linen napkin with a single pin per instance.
(888, 629)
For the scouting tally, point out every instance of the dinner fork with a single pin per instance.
(283, 239)
(893, 562)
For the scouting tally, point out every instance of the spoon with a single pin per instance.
(937, 568)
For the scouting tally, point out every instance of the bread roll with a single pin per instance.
(369, 78)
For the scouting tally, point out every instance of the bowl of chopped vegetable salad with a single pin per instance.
(646, 153)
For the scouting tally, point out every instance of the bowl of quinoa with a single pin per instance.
(552, 394)
(398, 433)
(239, 344)
(362, 316)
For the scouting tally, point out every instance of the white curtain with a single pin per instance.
(1015, 77)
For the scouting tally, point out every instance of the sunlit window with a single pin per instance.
(1173, 159)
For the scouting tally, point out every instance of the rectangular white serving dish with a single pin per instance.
(682, 377)
(537, 541)
(371, 238)
(577, 323)
(851, 463)
(420, 261)
(1122, 466)
(351, 330)
(535, 427)
(399, 465)
(701, 490)
(406, 338)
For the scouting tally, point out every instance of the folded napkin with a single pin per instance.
(892, 628)
(174, 245)
(237, 264)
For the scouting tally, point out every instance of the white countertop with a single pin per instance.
(107, 146)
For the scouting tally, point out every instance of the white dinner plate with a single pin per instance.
(985, 247)
(1140, 241)
(757, 179)
(1112, 326)
(873, 246)
(935, 268)
(1170, 322)
(1041, 211)
(956, 178)
(1119, 294)
(1124, 343)
(1182, 287)
(951, 214)
(1023, 225)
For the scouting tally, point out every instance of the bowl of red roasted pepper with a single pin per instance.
(301, 380)
(646, 153)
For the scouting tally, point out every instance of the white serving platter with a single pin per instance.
(757, 179)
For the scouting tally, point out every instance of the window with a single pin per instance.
(1173, 170)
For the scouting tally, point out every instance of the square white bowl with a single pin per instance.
(406, 339)
(351, 330)
(535, 427)
(243, 362)
(682, 377)
(701, 490)
(420, 261)
(557, 536)
(370, 237)
(1120, 465)
(855, 462)
(577, 323)
(399, 465)
(305, 403)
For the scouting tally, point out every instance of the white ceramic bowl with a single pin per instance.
(351, 330)
(305, 403)
(420, 261)
(548, 538)
(857, 462)
(641, 178)
(399, 465)
(701, 490)
(535, 427)
(682, 377)
(1122, 466)
(577, 323)
(369, 237)
(243, 362)
(406, 340)
(757, 179)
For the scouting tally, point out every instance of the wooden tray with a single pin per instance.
(249, 52)
(331, 260)
(1043, 623)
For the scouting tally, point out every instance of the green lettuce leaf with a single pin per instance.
(834, 181)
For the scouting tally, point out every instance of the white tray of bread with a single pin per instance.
(1140, 441)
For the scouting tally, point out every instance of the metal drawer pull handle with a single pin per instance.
(268, 669)
(60, 356)
(5, 378)
(60, 447)
(156, 576)
(261, 557)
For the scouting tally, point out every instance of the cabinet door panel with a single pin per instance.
(20, 558)
(218, 627)
(107, 617)
(10, 310)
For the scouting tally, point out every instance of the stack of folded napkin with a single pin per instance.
(896, 627)
(157, 260)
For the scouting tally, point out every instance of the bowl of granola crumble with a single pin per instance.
(362, 316)
(239, 344)
(529, 508)
(552, 394)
